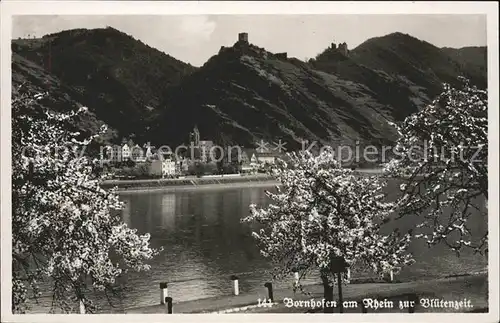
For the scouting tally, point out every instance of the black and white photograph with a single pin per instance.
(245, 158)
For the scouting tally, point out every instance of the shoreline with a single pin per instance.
(191, 183)
(195, 183)
(177, 188)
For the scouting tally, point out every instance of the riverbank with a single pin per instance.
(208, 182)
(205, 182)
(467, 287)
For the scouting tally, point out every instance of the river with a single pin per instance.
(205, 243)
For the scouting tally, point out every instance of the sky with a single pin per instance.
(195, 38)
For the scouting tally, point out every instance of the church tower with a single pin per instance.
(195, 136)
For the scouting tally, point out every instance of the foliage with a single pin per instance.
(322, 211)
(196, 169)
(130, 163)
(66, 229)
(231, 167)
(139, 170)
(199, 168)
(442, 159)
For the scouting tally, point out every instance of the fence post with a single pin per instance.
(270, 291)
(341, 300)
(412, 298)
(163, 292)
(236, 289)
(348, 274)
(363, 307)
(391, 276)
(82, 307)
(168, 301)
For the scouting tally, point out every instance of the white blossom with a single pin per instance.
(65, 227)
(321, 211)
(450, 181)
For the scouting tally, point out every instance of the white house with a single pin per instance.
(163, 168)
(125, 152)
(168, 168)
(262, 158)
(252, 160)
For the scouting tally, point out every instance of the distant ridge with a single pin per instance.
(120, 78)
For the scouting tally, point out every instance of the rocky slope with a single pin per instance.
(244, 93)
(420, 62)
(34, 79)
(472, 59)
(119, 78)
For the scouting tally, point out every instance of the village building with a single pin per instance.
(149, 151)
(137, 154)
(202, 148)
(164, 168)
(182, 166)
(125, 152)
(112, 154)
(253, 159)
(205, 147)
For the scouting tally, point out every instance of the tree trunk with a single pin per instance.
(328, 293)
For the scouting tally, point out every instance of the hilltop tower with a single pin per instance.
(243, 37)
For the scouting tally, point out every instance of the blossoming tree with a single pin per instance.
(66, 231)
(441, 158)
(321, 212)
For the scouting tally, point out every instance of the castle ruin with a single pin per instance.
(342, 48)
(243, 37)
(283, 55)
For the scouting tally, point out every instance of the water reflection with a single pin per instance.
(203, 239)
(126, 212)
(168, 202)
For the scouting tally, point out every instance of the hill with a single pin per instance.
(472, 59)
(403, 96)
(35, 79)
(420, 62)
(120, 78)
(245, 94)
(402, 71)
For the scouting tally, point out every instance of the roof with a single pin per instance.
(267, 154)
(247, 154)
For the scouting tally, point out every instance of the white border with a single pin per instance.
(9, 8)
